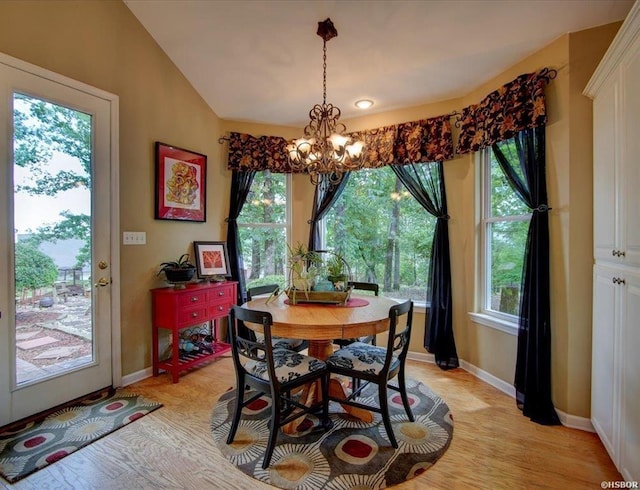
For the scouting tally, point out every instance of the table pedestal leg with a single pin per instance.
(320, 349)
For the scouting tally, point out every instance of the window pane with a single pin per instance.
(507, 242)
(264, 253)
(262, 229)
(383, 233)
(504, 201)
(266, 202)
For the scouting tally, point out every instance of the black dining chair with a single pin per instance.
(360, 286)
(375, 364)
(297, 345)
(275, 372)
(365, 286)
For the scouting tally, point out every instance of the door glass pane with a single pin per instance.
(52, 232)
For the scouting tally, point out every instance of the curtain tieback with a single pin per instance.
(229, 220)
(543, 208)
(444, 216)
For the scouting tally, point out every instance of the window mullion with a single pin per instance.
(519, 217)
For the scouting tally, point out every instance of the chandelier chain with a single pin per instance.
(324, 73)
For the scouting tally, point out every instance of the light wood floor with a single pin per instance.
(493, 446)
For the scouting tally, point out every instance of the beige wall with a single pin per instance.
(569, 179)
(102, 44)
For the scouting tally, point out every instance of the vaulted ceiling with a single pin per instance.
(261, 60)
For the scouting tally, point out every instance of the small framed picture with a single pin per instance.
(212, 260)
(181, 177)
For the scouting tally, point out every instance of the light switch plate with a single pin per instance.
(134, 238)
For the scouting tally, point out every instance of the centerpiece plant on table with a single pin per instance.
(337, 271)
(304, 268)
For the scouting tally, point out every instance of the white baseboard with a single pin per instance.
(489, 378)
(575, 422)
(137, 376)
(568, 420)
(420, 356)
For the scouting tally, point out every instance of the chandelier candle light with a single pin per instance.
(324, 149)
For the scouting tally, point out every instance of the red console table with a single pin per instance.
(177, 309)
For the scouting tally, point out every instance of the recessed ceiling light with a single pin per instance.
(363, 103)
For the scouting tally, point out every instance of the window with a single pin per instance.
(263, 227)
(505, 222)
(383, 233)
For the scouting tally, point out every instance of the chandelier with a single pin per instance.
(324, 149)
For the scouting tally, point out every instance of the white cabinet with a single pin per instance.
(606, 149)
(615, 380)
(605, 333)
(615, 364)
(616, 176)
(629, 455)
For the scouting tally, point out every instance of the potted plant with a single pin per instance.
(337, 271)
(179, 271)
(304, 267)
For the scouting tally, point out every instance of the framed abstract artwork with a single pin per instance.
(212, 259)
(181, 177)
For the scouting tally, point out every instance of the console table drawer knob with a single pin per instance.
(194, 315)
(194, 299)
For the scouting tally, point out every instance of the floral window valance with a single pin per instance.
(247, 152)
(518, 105)
(428, 140)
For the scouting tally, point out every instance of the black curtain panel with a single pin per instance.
(522, 158)
(425, 182)
(240, 186)
(326, 193)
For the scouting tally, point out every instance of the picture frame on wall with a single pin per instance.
(212, 260)
(181, 177)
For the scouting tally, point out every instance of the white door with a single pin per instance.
(58, 160)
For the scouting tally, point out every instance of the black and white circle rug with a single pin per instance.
(351, 455)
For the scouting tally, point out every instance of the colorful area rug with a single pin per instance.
(36, 444)
(353, 454)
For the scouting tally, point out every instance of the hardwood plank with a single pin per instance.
(493, 445)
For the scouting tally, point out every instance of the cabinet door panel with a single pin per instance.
(603, 357)
(630, 176)
(605, 150)
(630, 380)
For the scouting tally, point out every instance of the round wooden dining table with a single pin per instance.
(320, 323)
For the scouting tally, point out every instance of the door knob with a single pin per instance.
(102, 282)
